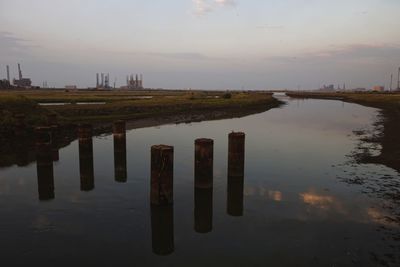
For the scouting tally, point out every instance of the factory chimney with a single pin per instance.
(102, 80)
(8, 73)
(398, 80)
(19, 72)
(97, 80)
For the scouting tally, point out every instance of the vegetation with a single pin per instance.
(129, 105)
(372, 99)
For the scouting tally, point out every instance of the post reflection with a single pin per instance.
(120, 171)
(86, 157)
(44, 164)
(203, 192)
(236, 156)
(203, 209)
(162, 229)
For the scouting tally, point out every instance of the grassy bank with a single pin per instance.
(81, 106)
(377, 100)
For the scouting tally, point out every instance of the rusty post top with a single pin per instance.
(237, 134)
(162, 147)
(204, 141)
(85, 130)
(119, 127)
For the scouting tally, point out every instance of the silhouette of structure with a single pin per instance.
(105, 81)
(133, 82)
(22, 82)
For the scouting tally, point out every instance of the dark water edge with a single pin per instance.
(19, 149)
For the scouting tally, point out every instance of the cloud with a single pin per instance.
(202, 7)
(12, 46)
(346, 53)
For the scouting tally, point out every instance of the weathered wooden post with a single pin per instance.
(203, 192)
(161, 199)
(44, 163)
(203, 167)
(162, 173)
(119, 133)
(85, 132)
(162, 229)
(236, 154)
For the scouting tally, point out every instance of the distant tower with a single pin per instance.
(102, 80)
(391, 82)
(97, 80)
(20, 72)
(137, 82)
(141, 81)
(8, 73)
(344, 86)
(398, 80)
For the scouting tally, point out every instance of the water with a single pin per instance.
(296, 212)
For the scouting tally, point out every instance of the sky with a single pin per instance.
(203, 44)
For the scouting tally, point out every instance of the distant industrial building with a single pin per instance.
(378, 88)
(5, 83)
(326, 88)
(21, 82)
(133, 82)
(105, 81)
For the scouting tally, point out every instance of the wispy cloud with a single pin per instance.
(202, 7)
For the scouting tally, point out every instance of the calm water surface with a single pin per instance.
(296, 212)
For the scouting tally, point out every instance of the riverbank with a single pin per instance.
(100, 108)
(386, 101)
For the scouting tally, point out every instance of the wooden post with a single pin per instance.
(162, 229)
(203, 192)
(120, 151)
(85, 132)
(236, 154)
(203, 167)
(162, 173)
(44, 163)
(236, 150)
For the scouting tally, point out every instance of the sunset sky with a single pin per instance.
(209, 44)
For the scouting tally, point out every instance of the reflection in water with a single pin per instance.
(44, 164)
(86, 157)
(235, 196)
(203, 209)
(235, 174)
(162, 229)
(203, 192)
(120, 158)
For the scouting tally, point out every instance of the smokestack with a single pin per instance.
(97, 80)
(398, 80)
(391, 82)
(19, 72)
(102, 79)
(8, 73)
